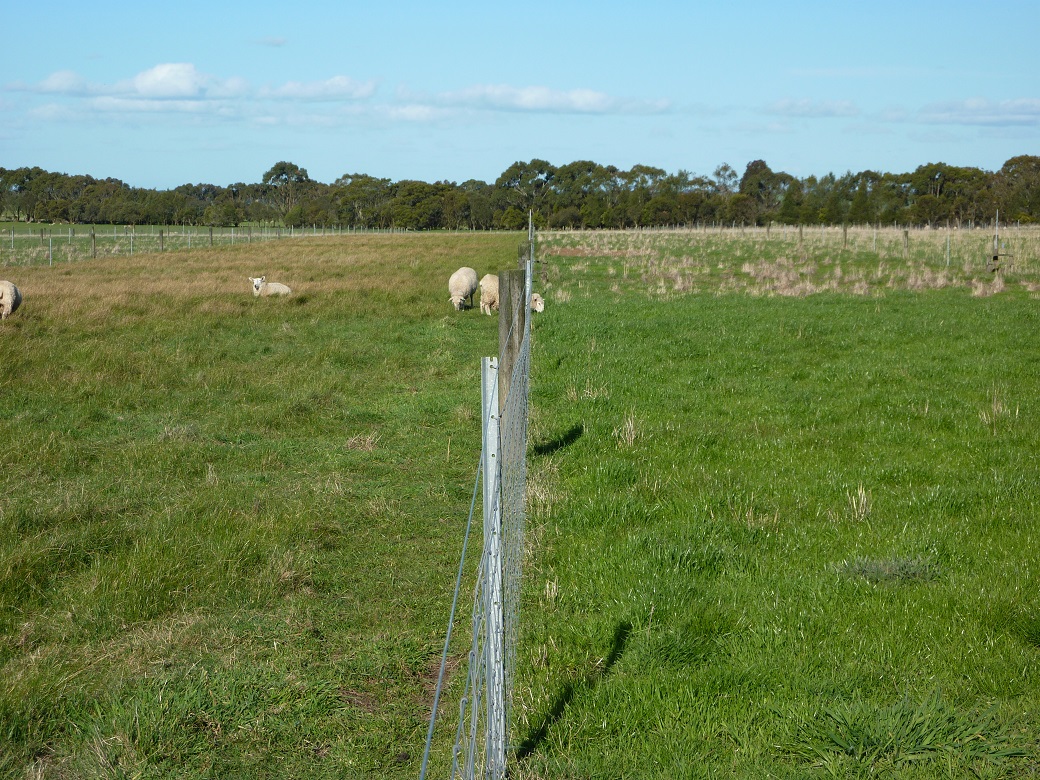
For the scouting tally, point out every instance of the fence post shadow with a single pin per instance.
(566, 440)
(571, 689)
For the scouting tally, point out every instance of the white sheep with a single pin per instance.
(462, 285)
(263, 287)
(489, 293)
(10, 299)
(537, 302)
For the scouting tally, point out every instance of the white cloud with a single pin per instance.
(169, 80)
(813, 109)
(64, 82)
(982, 111)
(335, 88)
(537, 99)
(115, 104)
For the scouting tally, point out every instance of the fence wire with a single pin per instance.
(482, 746)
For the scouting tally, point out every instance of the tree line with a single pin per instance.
(579, 195)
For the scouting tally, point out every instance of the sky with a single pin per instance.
(164, 94)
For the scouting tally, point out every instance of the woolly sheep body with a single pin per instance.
(10, 299)
(262, 287)
(537, 302)
(489, 294)
(462, 285)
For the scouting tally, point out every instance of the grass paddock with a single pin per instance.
(782, 505)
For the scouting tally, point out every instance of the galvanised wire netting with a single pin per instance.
(481, 744)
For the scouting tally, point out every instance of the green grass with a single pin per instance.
(771, 507)
(229, 526)
(771, 534)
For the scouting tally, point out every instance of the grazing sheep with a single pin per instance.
(263, 287)
(537, 302)
(10, 299)
(462, 285)
(489, 294)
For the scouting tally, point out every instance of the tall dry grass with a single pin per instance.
(786, 261)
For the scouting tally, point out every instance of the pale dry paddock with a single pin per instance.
(786, 261)
(364, 274)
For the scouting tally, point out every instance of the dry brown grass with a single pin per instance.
(753, 261)
(216, 281)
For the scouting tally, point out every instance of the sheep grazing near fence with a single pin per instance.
(264, 288)
(10, 299)
(537, 302)
(462, 285)
(489, 294)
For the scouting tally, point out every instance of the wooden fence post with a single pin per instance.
(512, 317)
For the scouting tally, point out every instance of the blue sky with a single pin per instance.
(160, 95)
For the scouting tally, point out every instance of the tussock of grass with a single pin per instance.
(892, 570)
(882, 739)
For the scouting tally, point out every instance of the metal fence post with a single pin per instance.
(493, 592)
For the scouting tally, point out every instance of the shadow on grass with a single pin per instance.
(572, 689)
(571, 436)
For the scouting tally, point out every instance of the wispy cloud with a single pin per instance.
(62, 82)
(167, 81)
(181, 88)
(335, 88)
(539, 99)
(984, 112)
(813, 109)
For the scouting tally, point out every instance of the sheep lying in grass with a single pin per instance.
(462, 285)
(537, 302)
(489, 294)
(10, 299)
(262, 287)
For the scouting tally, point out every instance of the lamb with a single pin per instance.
(537, 302)
(462, 285)
(489, 294)
(263, 287)
(10, 299)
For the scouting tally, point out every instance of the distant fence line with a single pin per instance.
(1014, 247)
(47, 245)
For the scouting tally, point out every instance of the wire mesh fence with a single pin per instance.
(481, 747)
(57, 244)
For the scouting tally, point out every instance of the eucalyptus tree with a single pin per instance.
(479, 209)
(286, 183)
(417, 205)
(765, 188)
(1016, 188)
(525, 186)
(363, 200)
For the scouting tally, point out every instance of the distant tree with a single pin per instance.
(479, 208)
(859, 210)
(791, 204)
(287, 183)
(765, 188)
(742, 209)
(416, 205)
(525, 185)
(363, 199)
(726, 180)
(1017, 189)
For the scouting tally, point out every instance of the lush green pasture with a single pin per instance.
(229, 527)
(777, 534)
(782, 508)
